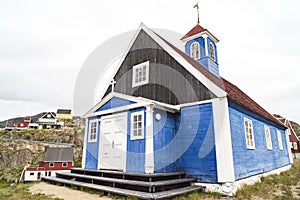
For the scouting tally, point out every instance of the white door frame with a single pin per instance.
(125, 134)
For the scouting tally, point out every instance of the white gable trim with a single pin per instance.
(119, 109)
(203, 79)
(223, 144)
(140, 102)
(47, 114)
(202, 34)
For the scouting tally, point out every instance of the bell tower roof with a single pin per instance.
(198, 31)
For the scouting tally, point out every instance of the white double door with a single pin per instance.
(113, 142)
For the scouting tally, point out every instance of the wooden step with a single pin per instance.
(176, 192)
(129, 175)
(124, 192)
(121, 183)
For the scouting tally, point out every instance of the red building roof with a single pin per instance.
(196, 30)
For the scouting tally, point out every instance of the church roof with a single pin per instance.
(197, 30)
(233, 92)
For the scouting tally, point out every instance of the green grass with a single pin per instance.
(21, 192)
(10, 175)
(274, 186)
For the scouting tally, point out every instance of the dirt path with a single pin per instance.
(63, 192)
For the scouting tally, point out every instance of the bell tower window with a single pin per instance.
(195, 50)
(212, 51)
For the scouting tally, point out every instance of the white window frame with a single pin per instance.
(214, 51)
(51, 164)
(247, 135)
(95, 134)
(64, 164)
(132, 122)
(295, 145)
(135, 76)
(279, 138)
(268, 138)
(193, 52)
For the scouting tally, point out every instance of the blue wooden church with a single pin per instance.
(171, 111)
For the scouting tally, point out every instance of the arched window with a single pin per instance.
(195, 50)
(212, 51)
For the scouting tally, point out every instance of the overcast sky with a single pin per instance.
(43, 45)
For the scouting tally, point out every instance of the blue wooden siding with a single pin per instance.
(195, 129)
(248, 162)
(114, 103)
(200, 40)
(135, 158)
(164, 132)
(92, 148)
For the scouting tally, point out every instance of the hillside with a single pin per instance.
(20, 148)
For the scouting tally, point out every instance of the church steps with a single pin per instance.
(143, 186)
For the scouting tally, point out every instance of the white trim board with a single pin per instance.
(140, 102)
(223, 143)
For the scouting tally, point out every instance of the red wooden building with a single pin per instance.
(56, 159)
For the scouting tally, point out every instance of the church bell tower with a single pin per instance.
(200, 45)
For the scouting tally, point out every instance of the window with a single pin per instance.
(295, 145)
(65, 164)
(249, 133)
(279, 140)
(93, 127)
(268, 137)
(51, 164)
(195, 50)
(31, 174)
(212, 51)
(137, 125)
(140, 74)
(49, 173)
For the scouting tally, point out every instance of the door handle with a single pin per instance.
(113, 144)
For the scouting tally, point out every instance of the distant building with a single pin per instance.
(294, 140)
(57, 159)
(64, 114)
(48, 121)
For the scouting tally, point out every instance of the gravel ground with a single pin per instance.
(63, 192)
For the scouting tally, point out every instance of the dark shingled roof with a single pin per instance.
(233, 92)
(63, 111)
(58, 154)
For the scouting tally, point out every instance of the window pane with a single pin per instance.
(140, 125)
(140, 117)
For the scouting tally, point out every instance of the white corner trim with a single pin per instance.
(84, 145)
(287, 139)
(223, 144)
(119, 109)
(149, 151)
